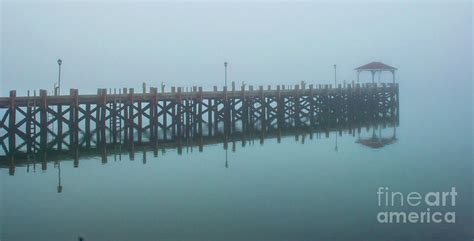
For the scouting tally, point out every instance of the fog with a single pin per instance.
(114, 45)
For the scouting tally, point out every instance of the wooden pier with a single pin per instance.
(33, 124)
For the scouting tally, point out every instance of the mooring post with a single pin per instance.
(250, 106)
(126, 107)
(232, 108)
(103, 115)
(87, 119)
(173, 113)
(215, 109)
(179, 114)
(187, 113)
(113, 117)
(73, 117)
(154, 114)
(164, 111)
(244, 117)
(279, 109)
(60, 126)
(201, 118)
(140, 119)
(43, 119)
(131, 116)
(12, 123)
(29, 122)
(226, 112)
(209, 116)
(195, 112)
(297, 106)
(97, 116)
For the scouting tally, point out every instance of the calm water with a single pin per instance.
(273, 191)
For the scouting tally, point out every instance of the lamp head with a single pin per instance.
(60, 61)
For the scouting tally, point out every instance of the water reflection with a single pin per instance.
(378, 141)
(116, 152)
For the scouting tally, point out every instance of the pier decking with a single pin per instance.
(39, 123)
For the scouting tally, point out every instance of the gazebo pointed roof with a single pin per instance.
(376, 66)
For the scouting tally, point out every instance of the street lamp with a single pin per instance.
(59, 76)
(335, 80)
(225, 74)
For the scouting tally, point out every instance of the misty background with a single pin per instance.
(114, 45)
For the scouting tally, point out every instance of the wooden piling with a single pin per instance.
(43, 119)
(12, 123)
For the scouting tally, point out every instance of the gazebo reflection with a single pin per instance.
(377, 141)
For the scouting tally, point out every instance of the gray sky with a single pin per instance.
(106, 44)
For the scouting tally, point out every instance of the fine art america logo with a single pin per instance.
(398, 207)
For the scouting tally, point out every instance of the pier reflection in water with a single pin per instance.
(116, 151)
(297, 182)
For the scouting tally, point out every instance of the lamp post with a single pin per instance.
(59, 76)
(225, 73)
(335, 79)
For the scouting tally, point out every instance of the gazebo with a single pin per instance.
(376, 67)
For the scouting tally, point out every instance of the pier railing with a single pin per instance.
(30, 124)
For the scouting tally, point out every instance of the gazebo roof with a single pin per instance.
(376, 66)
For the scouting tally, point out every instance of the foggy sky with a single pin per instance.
(114, 45)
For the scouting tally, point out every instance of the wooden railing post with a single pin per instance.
(153, 114)
(179, 114)
(263, 104)
(297, 115)
(173, 113)
(131, 116)
(12, 123)
(43, 119)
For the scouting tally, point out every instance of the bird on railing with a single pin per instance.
(163, 86)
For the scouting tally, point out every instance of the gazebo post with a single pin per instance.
(358, 73)
(373, 76)
(393, 75)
